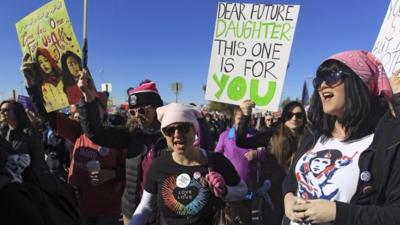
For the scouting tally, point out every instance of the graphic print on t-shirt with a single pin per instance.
(316, 171)
(187, 200)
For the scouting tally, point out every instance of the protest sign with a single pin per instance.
(47, 36)
(26, 102)
(250, 53)
(387, 45)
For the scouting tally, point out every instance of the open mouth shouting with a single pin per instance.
(327, 96)
(179, 144)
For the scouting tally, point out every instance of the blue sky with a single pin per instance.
(168, 41)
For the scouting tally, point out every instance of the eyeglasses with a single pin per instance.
(331, 79)
(298, 115)
(138, 110)
(182, 128)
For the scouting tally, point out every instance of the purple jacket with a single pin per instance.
(247, 170)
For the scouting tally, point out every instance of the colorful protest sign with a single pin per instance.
(387, 45)
(47, 36)
(250, 53)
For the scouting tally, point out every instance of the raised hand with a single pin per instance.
(395, 81)
(246, 107)
(28, 69)
(395, 84)
(86, 85)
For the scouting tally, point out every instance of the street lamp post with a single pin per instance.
(176, 87)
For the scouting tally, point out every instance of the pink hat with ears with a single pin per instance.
(178, 113)
(369, 69)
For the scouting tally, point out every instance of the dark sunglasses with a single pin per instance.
(182, 128)
(298, 115)
(331, 79)
(138, 110)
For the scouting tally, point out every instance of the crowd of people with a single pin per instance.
(156, 163)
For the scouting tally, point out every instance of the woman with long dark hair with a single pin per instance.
(280, 144)
(288, 134)
(346, 169)
(16, 128)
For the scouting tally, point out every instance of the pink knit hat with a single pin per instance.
(369, 69)
(178, 113)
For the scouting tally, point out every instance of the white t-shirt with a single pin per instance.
(330, 170)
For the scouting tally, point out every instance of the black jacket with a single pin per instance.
(118, 138)
(26, 141)
(261, 139)
(5, 150)
(377, 201)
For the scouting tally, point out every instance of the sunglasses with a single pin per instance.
(298, 115)
(332, 78)
(182, 128)
(138, 111)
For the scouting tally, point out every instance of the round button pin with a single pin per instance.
(365, 176)
(196, 175)
(183, 180)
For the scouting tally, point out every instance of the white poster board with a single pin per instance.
(387, 45)
(250, 53)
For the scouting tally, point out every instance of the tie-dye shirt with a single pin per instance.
(183, 196)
